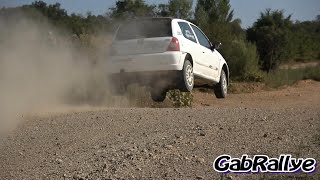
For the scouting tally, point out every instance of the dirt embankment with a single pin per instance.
(167, 143)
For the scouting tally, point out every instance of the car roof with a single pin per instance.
(169, 18)
(164, 18)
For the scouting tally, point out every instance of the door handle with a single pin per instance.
(203, 52)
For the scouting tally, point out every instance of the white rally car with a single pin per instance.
(165, 54)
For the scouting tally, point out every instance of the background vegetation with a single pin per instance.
(253, 54)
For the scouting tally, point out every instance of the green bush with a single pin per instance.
(312, 73)
(283, 77)
(243, 61)
(180, 99)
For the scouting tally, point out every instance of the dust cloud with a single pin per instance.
(40, 71)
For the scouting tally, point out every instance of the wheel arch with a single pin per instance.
(189, 57)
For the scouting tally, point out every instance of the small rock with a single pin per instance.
(200, 160)
(145, 150)
(265, 135)
(177, 136)
(60, 161)
(168, 146)
(202, 133)
(199, 177)
(229, 177)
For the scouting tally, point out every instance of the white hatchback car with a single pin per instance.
(165, 54)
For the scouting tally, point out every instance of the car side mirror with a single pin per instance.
(215, 46)
(218, 45)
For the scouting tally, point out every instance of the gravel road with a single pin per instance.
(166, 143)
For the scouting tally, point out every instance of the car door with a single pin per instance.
(209, 57)
(191, 46)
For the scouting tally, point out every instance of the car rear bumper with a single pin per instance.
(165, 61)
(152, 79)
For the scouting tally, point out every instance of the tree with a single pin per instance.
(176, 8)
(181, 8)
(211, 11)
(162, 10)
(131, 8)
(214, 17)
(271, 34)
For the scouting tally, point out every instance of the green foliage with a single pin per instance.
(305, 41)
(40, 12)
(131, 8)
(215, 17)
(243, 61)
(176, 8)
(271, 35)
(283, 77)
(211, 11)
(180, 99)
(312, 73)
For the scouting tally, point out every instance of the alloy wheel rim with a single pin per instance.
(224, 85)
(189, 75)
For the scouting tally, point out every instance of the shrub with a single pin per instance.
(180, 99)
(243, 61)
(312, 73)
(289, 76)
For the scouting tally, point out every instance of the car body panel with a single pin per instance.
(151, 62)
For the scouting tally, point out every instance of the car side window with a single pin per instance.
(187, 32)
(201, 37)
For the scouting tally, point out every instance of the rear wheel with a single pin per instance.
(221, 89)
(158, 95)
(187, 77)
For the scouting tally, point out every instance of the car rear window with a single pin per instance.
(146, 28)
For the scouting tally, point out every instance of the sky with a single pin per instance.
(247, 10)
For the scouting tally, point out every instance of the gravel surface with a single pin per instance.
(164, 143)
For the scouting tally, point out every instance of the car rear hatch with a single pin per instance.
(143, 36)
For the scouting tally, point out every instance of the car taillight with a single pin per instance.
(174, 45)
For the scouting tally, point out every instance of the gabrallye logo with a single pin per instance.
(264, 164)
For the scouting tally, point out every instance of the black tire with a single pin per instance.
(158, 95)
(221, 89)
(186, 77)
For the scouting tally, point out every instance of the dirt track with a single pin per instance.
(167, 143)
